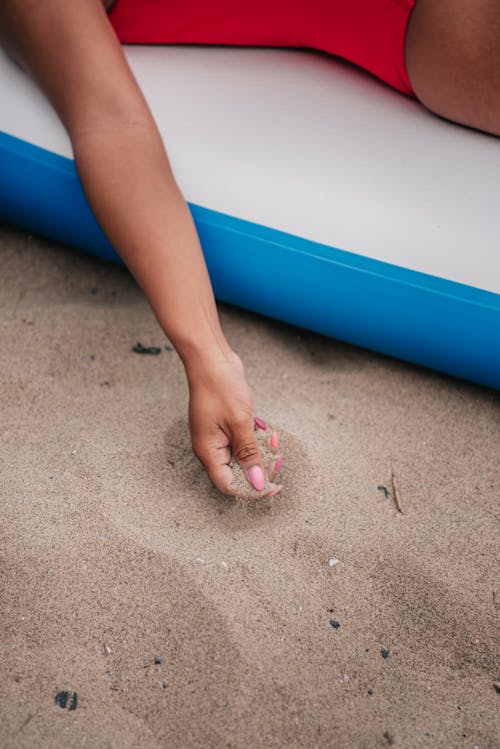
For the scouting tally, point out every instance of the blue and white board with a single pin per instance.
(321, 197)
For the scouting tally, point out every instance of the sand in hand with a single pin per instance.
(271, 449)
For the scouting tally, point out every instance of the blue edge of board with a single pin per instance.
(423, 319)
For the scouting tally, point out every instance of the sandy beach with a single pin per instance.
(141, 609)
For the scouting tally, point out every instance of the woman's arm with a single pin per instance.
(70, 49)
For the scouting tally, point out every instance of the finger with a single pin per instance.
(221, 477)
(247, 453)
(273, 442)
(260, 423)
(274, 490)
(275, 467)
(215, 458)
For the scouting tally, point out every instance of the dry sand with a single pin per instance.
(115, 550)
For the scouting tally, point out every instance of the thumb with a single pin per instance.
(246, 452)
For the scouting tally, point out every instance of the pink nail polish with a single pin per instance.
(278, 464)
(260, 423)
(256, 477)
(275, 491)
(274, 441)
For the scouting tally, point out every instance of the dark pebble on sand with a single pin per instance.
(370, 692)
(335, 624)
(169, 348)
(385, 653)
(140, 349)
(383, 489)
(158, 660)
(63, 698)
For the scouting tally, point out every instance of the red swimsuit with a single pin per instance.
(369, 33)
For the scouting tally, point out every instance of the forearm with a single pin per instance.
(130, 187)
(71, 51)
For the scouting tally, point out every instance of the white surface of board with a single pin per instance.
(300, 142)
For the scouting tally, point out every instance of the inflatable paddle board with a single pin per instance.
(322, 198)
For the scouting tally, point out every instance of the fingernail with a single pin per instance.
(260, 423)
(256, 477)
(275, 467)
(274, 441)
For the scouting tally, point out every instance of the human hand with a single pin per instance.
(223, 428)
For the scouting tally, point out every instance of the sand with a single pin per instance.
(272, 463)
(324, 617)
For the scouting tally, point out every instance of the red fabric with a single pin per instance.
(369, 33)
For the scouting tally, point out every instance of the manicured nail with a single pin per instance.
(260, 424)
(274, 441)
(256, 477)
(275, 467)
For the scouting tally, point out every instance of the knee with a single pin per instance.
(453, 60)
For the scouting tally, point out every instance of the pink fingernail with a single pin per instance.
(275, 491)
(256, 477)
(278, 464)
(274, 441)
(260, 423)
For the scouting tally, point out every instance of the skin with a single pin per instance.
(453, 60)
(126, 176)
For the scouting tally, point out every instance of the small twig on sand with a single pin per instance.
(395, 491)
(25, 722)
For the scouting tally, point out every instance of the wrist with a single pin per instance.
(202, 360)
